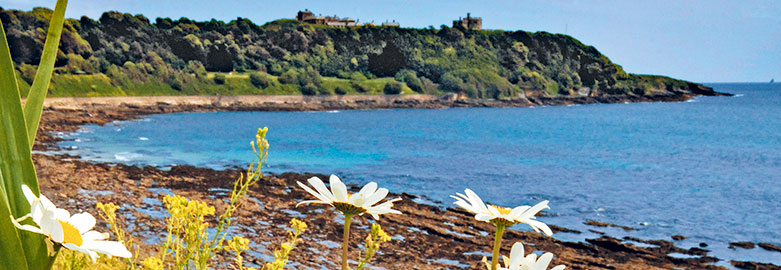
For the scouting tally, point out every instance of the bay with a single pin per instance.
(708, 168)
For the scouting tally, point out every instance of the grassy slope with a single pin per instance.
(95, 85)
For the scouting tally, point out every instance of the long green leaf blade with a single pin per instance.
(13, 161)
(34, 104)
(11, 245)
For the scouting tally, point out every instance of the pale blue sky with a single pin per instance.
(697, 40)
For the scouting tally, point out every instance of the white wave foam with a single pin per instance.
(127, 156)
(143, 138)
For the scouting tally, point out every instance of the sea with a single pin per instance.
(708, 168)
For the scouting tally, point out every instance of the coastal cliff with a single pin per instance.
(123, 54)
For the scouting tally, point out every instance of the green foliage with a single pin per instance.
(411, 79)
(477, 83)
(425, 60)
(190, 243)
(392, 88)
(260, 79)
(373, 241)
(283, 252)
(219, 78)
(309, 90)
(552, 88)
(18, 126)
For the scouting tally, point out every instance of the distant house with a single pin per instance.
(392, 24)
(469, 23)
(309, 17)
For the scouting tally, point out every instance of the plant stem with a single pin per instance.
(344, 242)
(497, 245)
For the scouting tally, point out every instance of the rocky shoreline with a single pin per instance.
(425, 237)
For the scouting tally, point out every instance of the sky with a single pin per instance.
(696, 40)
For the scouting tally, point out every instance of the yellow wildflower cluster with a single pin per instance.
(376, 237)
(238, 245)
(282, 253)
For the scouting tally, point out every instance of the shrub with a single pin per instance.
(309, 90)
(340, 91)
(260, 79)
(392, 88)
(411, 79)
(219, 78)
(289, 77)
(359, 88)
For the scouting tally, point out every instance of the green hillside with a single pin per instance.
(124, 54)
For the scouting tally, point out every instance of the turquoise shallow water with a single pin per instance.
(709, 168)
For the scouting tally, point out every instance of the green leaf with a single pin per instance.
(34, 104)
(16, 167)
(11, 245)
(13, 134)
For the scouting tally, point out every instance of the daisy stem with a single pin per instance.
(497, 245)
(344, 242)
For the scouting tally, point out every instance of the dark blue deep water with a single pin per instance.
(708, 169)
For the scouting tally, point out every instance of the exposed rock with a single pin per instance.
(770, 247)
(558, 229)
(754, 265)
(604, 224)
(678, 237)
(745, 245)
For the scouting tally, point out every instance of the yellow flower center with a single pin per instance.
(502, 210)
(71, 234)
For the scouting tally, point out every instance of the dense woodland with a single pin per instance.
(124, 54)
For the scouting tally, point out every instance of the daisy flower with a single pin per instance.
(531, 262)
(497, 214)
(71, 231)
(517, 261)
(501, 217)
(350, 204)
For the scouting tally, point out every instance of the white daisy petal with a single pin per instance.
(465, 205)
(92, 254)
(368, 189)
(518, 211)
(544, 261)
(51, 227)
(317, 195)
(94, 236)
(477, 203)
(337, 196)
(534, 210)
(46, 203)
(516, 253)
(488, 213)
(356, 199)
(484, 217)
(36, 211)
(83, 222)
(320, 187)
(54, 222)
(112, 248)
(376, 197)
(311, 202)
(28, 228)
(28, 194)
(338, 188)
(536, 225)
